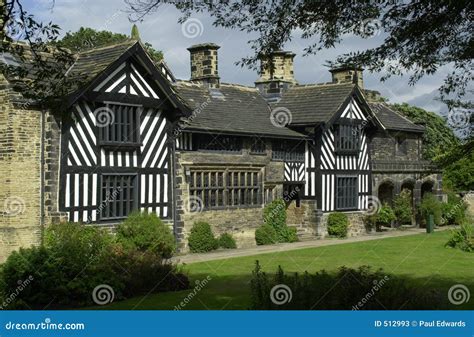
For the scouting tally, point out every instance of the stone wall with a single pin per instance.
(383, 146)
(241, 222)
(20, 164)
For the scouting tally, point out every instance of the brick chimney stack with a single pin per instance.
(348, 74)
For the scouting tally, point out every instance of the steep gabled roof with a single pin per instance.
(312, 104)
(231, 109)
(392, 120)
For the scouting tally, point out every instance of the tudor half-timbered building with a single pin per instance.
(132, 137)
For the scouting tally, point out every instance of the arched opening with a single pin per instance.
(410, 186)
(385, 192)
(427, 187)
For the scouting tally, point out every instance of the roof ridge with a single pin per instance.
(112, 45)
(399, 114)
(325, 84)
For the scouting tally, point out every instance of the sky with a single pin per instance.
(163, 31)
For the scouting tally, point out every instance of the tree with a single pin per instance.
(421, 36)
(87, 38)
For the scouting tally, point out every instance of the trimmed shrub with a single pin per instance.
(373, 290)
(454, 211)
(402, 207)
(274, 214)
(431, 205)
(265, 235)
(227, 241)
(338, 224)
(146, 232)
(462, 238)
(201, 238)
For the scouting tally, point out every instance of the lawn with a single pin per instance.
(422, 258)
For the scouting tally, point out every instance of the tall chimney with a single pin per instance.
(276, 74)
(348, 74)
(204, 64)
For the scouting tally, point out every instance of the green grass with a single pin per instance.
(421, 258)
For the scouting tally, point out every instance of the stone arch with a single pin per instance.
(409, 184)
(385, 191)
(427, 186)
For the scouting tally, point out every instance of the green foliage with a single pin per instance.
(383, 217)
(338, 224)
(274, 214)
(74, 260)
(431, 205)
(438, 137)
(337, 291)
(265, 235)
(453, 211)
(88, 38)
(462, 238)
(146, 232)
(458, 173)
(402, 207)
(227, 241)
(201, 239)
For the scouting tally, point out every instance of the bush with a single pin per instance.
(74, 260)
(431, 205)
(144, 271)
(146, 232)
(266, 235)
(227, 241)
(338, 224)
(274, 214)
(462, 238)
(383, 217)
(202, 239)
(402, 207)
(373, 290)
(454, 211)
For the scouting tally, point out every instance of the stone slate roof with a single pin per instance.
(392, 120)
(91, 63)
(315, 103)
(232, 109)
